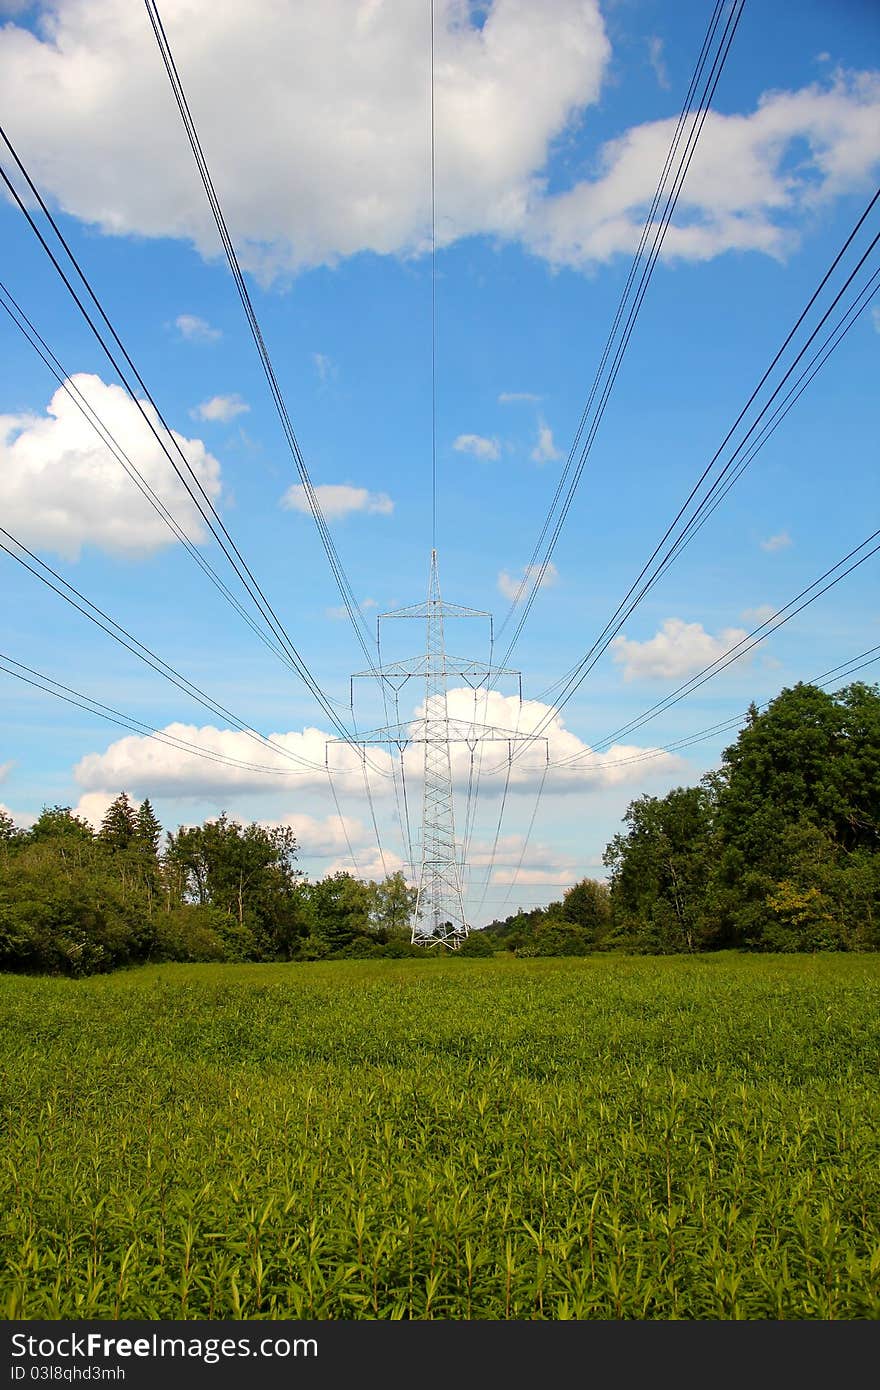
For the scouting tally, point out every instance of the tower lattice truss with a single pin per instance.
(439, 918)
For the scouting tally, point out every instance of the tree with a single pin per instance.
(119, 826)
(799, 797)
(392, 906)
(60, 823)
(660, 868)
(587, 906)
(338, 911)
(147, 830)
(248, 873)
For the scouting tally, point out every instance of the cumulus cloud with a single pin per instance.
(340, 107)
(678, 649)
(540, 863)
(509, 584)
(222, 408)
(324, 837)
(371, 863)
(779, 542)
(354, 163)
(5, 769)
(338, 500)
(510, 397)
(147, 767)
(61, 488)
(477, 445)
(189, 326)
(545, 450)
(154, 768)
(753, 178)
(589, 770)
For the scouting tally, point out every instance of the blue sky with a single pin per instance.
(552, 122)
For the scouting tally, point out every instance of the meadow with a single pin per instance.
(604, 1137)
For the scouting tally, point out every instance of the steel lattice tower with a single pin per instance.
(439, 916)
(439, 906)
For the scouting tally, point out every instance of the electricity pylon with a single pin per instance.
(439, 917)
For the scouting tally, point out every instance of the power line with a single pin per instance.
(835, 673)
(70, 696)
(195, 489)
(433, 310)
(802, 600)
(534, 573)
(527, 839)
(751, 442)
(748, 443)
(102, 430)
(126, 639)
(829, 677)
(352, 607)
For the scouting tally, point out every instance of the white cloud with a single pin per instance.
(5, 769)
(61, 488)
(477, 445)
(325, 366)
(338, 500)
(371, 863)
(658, 62)
(22, 819)
(545, 450)
(752, 178)
(147, 767)
(354, 164)
(527, 875)
(620, 764)
(509, 585)
(222, 408)
(192, 328)
(540, 863)
(678, 649)
(323, 837)
(156, 768)
(509, 397)
(762, 614)
(339, 107)
(779, 542)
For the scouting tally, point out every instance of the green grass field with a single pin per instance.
(608, 1137)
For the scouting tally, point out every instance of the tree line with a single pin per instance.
(76, 901)
(779, 850)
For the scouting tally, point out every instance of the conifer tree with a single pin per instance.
(119, 826)
(148, 831)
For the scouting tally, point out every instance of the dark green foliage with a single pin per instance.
(780, 851)
(660, 869)
(148, 831)
(476, 944)
(587, 906)
(119, 826)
